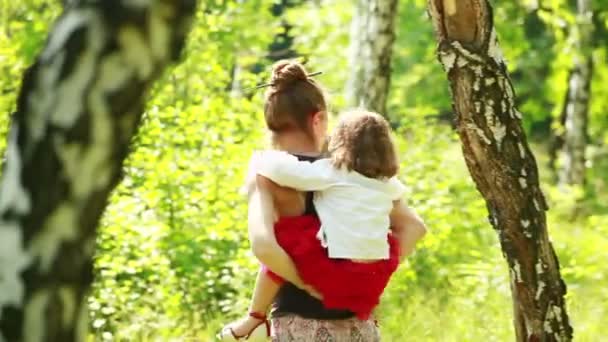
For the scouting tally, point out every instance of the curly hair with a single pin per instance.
(362, 142)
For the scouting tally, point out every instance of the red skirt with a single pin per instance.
(344, 284)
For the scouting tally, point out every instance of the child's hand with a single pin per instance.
(249, 185)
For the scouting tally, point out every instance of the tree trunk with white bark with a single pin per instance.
(78, 108)
(371, 46)
(501, 164)
(576, 105)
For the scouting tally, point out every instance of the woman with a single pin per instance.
(295, 113)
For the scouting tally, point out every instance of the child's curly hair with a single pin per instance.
(362, 142)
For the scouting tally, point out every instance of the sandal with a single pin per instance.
(261, 332)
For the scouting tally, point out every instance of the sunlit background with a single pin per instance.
(173, 259)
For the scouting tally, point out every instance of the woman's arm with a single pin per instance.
(265, 247)
(407, 226)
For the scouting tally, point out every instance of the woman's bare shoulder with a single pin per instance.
(287, 201)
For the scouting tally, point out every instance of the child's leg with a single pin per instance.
(266, 288)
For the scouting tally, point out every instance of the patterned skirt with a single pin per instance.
(292, 328)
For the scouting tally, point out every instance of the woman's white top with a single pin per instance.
(353, 209)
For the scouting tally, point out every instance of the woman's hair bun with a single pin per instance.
(286, 73)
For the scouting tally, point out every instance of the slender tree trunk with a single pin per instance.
(572, 166)
(556, 143)
(79, 105)
(371, 45)
(236, 88)
(501, 164)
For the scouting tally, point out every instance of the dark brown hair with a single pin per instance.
(291, 98)
(362, 142)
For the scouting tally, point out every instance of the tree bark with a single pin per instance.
(501, 164)
(79, 105)
(576, 107)
(371, 46)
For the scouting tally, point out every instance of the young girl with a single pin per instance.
(349, 260)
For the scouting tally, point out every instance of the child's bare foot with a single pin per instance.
(245, 327)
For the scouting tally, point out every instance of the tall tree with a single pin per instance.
(371, 45)
(501, 164)
(577, 102)
(78, 108)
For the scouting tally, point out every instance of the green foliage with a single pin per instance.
(172, 253)
(23, 28)
(181, 188)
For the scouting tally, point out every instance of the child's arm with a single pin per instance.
(261, 219)
(407, 226)
(286, 170)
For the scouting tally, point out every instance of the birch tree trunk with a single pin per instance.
(371, 45)
(501, 164)
(576, 107)
(79, 105)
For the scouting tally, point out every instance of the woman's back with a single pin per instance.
(292, 300)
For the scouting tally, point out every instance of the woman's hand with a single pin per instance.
(407, 227)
